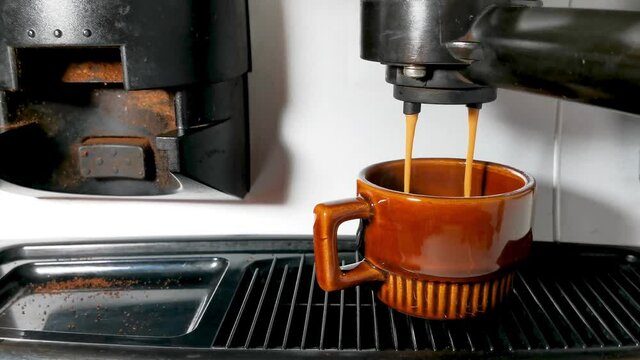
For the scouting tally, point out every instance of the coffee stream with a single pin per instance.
(412, 121)
(471, 147)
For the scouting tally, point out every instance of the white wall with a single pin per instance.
(320, 114)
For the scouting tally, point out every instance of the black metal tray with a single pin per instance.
(257, 298)
(111, 297)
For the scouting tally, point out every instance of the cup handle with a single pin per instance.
(330, 275)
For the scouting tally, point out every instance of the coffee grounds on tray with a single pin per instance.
(81, 283)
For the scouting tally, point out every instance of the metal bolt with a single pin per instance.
(99, 161)
(86, 32)
(31, 33)
(57, 33)
(415, 71)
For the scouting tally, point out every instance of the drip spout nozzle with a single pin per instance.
(411, 108)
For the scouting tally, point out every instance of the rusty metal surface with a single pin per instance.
(115, 157)
(69, 114)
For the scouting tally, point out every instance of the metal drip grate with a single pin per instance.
(577, 305)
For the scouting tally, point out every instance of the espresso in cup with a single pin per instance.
(434, 252)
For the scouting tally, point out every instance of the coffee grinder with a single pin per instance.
(124, 97)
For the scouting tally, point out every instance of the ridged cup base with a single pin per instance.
(445, 300)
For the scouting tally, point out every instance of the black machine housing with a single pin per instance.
(460, 51)
(113, 97)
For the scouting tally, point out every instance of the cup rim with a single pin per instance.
(529, 184)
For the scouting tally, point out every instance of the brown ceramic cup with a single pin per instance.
(435, 253)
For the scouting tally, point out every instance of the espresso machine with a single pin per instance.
(160, 86)
(460, 51)
(124, 98)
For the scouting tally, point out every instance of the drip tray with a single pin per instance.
(121, 298)
(258, 298)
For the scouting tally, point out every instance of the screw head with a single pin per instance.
(86, 32)
(57, 33)
(31, 33)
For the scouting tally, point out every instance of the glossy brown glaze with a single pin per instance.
(436, 231)
(434, 299)
(440, 255)
(325, 231)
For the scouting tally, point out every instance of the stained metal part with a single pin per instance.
(168, 144)
(75, 71)
(60, 121)
(115, 158)
(213, 150)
